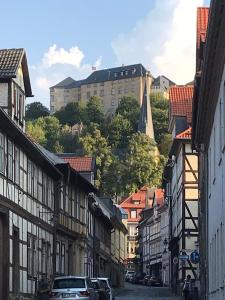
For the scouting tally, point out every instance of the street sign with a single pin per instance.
(194, 257)
(175, 260)
(183, 257)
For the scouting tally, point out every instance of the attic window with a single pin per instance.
(136, 202)
(133, 71)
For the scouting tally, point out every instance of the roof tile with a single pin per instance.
(185, 134)
(181, 101)
(80, 164)
(9, 62)
(202, 23)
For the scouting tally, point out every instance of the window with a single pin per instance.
(44, 257)
(113, 91)
(63, 251)
(21, 106)
(88, 95)
(133, 71)
(31, 255)
(115, 75)
(57, 257)
(2, 153)
(17, 166)
(40, 185)
(102, 84)
(121, 73)
(126, 72)
(10, 160)
(113, 102)
(133, 214)
(119, 90)
(101, 93)
(30, 177)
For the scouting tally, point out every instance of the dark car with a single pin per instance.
(146, 280)
(138, 278)
(155, 281)
(100, 289)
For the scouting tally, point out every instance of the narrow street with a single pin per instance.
(140, 292)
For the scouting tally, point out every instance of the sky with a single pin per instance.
(67, 37)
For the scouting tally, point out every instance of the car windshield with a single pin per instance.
(95, 285)
(105, 284)
(69, 283)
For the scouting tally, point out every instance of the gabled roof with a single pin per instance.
(202, 23)
(180, 98)
(185, 134)
(80, 164)
(156, 81)
(64, 83)
(140, 195)
(117, 73)
(10, 60)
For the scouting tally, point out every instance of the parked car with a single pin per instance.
(129, 275)
(146, 280)
(101, 289)
(72, 288)
(108, 287)
(155, 281)
(138, 278)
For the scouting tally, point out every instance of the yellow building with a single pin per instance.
(108, 84)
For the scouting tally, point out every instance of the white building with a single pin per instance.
(209, 140)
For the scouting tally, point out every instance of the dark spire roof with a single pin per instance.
(10, 60)
(64, 83)
(145, 123)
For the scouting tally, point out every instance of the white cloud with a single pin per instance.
(55, 65)
(164, 41)
(73, 56)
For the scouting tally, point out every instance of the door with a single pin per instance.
(16, 257)
(4, 257)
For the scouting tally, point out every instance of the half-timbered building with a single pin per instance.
(209, 141)
(27, 185)
(181, 178)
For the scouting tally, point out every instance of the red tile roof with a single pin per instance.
(80, 164)
(181, 101)
(185, 134)
(159, 196)
(202, 23)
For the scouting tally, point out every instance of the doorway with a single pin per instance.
(16, 257)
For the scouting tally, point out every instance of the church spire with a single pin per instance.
(145, 124)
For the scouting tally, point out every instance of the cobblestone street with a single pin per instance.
(140, 292)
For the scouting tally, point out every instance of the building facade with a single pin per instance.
(161, 85)
(108, 84)
(134, 205)
(181, 178)
(208, 139)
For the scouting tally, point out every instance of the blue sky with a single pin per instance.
(66, 37)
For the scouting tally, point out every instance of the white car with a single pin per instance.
(72, 288)
(129, 275)
(108, 287)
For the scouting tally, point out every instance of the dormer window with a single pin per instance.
(133, 71)
(121, 73)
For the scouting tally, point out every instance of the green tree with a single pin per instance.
(36, 132)
(46, 131)
(94, 112)
(129, 108)
(160, 115)
(143, 163)
(96, 145)
(69, 141)
(36, 110)
(119, 131)
(71, 114)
